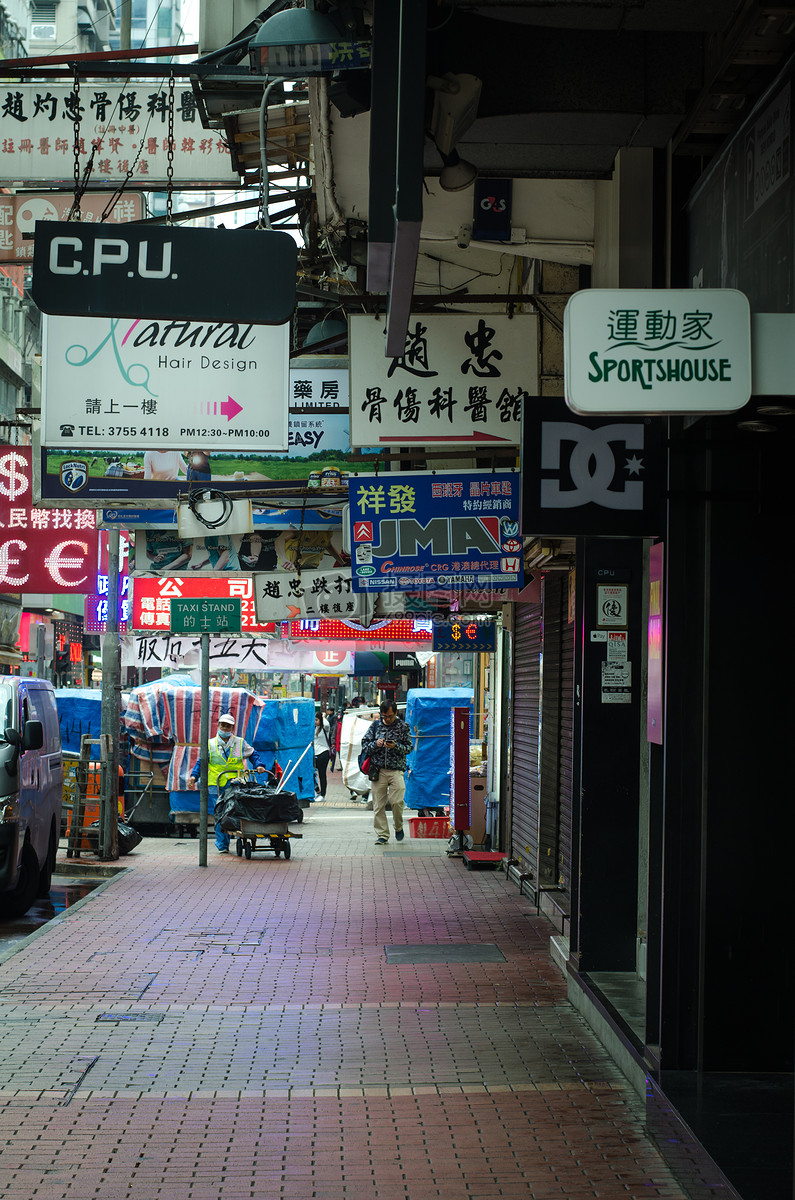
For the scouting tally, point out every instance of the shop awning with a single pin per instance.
(370, 662)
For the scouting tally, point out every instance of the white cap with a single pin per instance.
(226, 719)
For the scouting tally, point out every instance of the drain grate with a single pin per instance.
(456, 952)
(130, 1017)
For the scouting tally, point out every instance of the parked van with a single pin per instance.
(31, 791)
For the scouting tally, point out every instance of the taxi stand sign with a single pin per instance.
(206, 616)
(663, 351)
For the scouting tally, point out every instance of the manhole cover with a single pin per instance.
(129, 1017)
(457, 952)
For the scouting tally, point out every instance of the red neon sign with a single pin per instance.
(403, 630)
(42, 549)
(151, 607)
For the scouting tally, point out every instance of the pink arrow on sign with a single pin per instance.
(477, 436)
(230, 408)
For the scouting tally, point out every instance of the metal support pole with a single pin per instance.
(204, 739)
(41, 633)
(111, 709)
(125, 24)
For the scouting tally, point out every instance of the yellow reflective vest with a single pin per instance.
(230, 758)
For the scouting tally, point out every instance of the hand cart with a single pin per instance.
(276, 837)
(253, 835)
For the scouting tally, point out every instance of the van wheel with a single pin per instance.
(45, 875)
(18, 901)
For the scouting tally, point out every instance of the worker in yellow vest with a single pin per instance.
(225, 753)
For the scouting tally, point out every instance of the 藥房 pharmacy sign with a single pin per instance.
(649, 351)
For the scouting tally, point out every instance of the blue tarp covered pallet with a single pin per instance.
(285, 729)
(165, 721)
(79, 715)
(428, 717)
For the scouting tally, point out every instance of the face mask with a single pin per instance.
(224, 735)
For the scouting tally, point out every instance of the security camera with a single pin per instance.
(455, 107)
(464, 237)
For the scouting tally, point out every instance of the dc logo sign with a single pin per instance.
(590, 476)
(592, 466)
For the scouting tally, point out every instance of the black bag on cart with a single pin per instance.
(242, 800)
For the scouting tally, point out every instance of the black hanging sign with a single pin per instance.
(590, 476)
(491, 217)
(164, 271)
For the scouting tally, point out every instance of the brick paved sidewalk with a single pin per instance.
(240, 1031)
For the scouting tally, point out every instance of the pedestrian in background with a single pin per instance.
(322, 751)
(333, 721)
(387, 741)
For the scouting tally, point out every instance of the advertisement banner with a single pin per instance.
(462, 380)
(318, 660)
(591, 476)
(184, 650)
(310, 593)
(245, 654)
(655, 680)
(109, 381)
(318, 455)
(42, 550)
(267, 518)
(152, 596)
(388, 631)
(448, 529)
(19, 214)
(163, 552)
(125, 127)
(96, 606)
(95, 612)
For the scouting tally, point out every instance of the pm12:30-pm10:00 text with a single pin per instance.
(226, 433)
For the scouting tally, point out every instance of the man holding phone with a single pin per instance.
(387, 742)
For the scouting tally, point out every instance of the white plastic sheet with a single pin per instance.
(355, 724)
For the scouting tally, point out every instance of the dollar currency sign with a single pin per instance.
(13, 480)
(456, 632)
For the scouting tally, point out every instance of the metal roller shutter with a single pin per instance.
(557, 730)
(526, 706)
(566, 762)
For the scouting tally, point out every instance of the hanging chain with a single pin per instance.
(74, 214)
(170, 168)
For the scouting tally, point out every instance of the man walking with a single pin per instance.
(387, 742)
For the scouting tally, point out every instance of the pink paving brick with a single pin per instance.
(289, 1059)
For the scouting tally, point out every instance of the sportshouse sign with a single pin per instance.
(647, 351)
